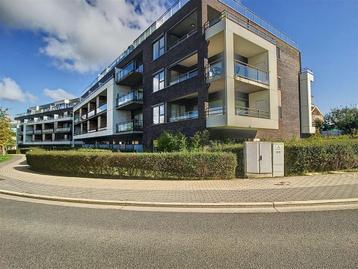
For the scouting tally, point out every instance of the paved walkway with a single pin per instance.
(15, 176)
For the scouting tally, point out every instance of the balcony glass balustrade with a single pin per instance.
(130, 126)
(219, 110)
(250, 72)
(252, 112)
(133, 96)
(127, 70)
(102, 108)
(91, 113)
(215, 70)
(183, 77)
(184, 116)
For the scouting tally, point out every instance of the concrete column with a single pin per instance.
(99, 122)
(229, 56)
(24, 134)
(53, 137)
(97, 101)
(306, 79)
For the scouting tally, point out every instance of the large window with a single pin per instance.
(158, 48)
(158, 81)
(158, 114)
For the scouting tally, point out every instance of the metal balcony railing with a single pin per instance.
(133, 96)
(183, 77)
(252, 73)
(189, 115)
(255, 19)
(252, 112)
(168, 14)
(130, 126)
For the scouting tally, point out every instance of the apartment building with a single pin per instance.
(205, 64)
(49, 125)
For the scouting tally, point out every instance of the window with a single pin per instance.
(158, 48)
(158, 81)
(158, 114)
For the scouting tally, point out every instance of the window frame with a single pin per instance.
(158, 73)
(161, 117)
(159, 49)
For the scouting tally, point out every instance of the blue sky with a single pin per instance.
(44, 58)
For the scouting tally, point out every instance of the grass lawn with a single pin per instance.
(4, 158)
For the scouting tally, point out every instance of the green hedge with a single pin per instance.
(238, 150)
(320, 155)
(186, 165)
(309, 155)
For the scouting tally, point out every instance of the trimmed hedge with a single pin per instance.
(320, 155)
(238, 150)
(309, 155)
(183, 165)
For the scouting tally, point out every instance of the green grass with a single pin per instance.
(4, 158)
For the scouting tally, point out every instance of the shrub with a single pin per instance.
(320, 155)
(238, 150)
(180, 165)
(172, 142)
(316, 154)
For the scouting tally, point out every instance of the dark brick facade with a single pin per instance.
(288, 70)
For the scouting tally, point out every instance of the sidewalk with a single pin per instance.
(16, 177)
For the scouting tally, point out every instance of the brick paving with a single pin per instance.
(15, 176)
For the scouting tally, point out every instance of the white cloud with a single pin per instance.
(11, 91)
(82, 35)
(58, 94)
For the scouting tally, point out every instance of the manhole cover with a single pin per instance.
(282, 183)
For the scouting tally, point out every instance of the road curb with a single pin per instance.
(253, 205)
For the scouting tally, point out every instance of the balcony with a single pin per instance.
(183, 77)
(29, 132)
(188, 115)
(215, 70)
(47, 131)
(246, 71)
(129, 127)
(130, 75)
(252, 112)
(91, 113)
(37, 131)
(131, 101)
(219, 110)
(63, 130)
(101, 109)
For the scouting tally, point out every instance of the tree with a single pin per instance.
(6, 135)
(319, 125)
(344, 119)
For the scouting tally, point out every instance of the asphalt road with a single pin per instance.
(48, 236)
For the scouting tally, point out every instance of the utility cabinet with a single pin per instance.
(264, 159)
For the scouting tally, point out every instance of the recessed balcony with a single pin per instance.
(215, 70)
(248, 72)
(187, 115)
(252, 112)
(130, 126)
(131, 101)
(63, 130)
(47, 131)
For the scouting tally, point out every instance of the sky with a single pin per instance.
(56, 50)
